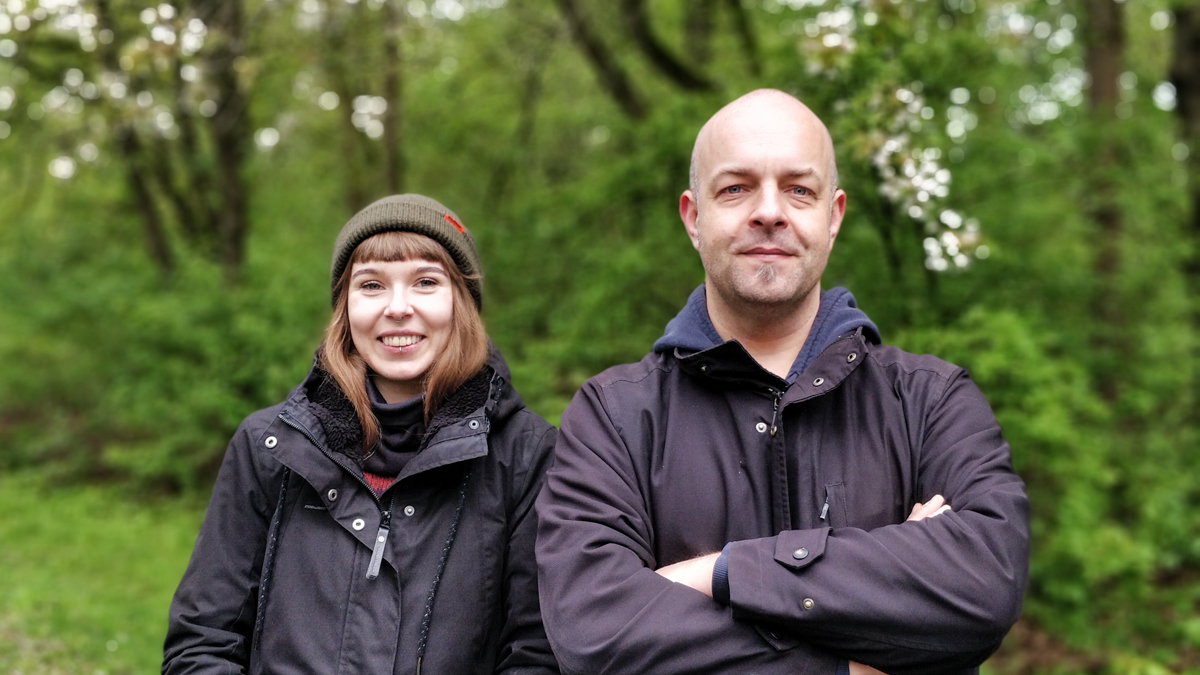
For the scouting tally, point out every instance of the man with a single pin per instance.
(736, 501)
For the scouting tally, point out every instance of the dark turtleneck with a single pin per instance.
(401, 427)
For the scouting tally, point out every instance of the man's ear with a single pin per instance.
(837, 211)
(688, 214)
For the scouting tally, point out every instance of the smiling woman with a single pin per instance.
(404, 437)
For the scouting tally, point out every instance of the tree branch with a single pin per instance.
(612, 77)
(675, 70)
(745, 31)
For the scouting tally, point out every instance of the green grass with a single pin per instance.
(86, 576)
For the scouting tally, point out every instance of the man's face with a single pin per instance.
(766, 214)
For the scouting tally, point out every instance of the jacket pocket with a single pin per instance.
(833, 511)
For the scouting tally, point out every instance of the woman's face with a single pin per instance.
(400, 317)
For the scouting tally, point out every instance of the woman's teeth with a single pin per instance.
(401, 340)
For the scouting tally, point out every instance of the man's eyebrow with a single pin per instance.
(794, 173)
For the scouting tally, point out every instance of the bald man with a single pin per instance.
(771, 489)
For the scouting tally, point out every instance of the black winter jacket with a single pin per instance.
(456, 583)
(674, 456)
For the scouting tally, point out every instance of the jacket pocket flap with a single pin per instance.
(798, 548)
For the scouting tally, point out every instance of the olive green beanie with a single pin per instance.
(410, 213)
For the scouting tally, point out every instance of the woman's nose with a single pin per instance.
(398, 306)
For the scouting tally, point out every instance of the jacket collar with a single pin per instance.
(457, 432)
(837, 315)
(730, 364)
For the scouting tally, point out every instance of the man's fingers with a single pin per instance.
(935, 506)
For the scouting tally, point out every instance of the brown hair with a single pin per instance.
(465, 351)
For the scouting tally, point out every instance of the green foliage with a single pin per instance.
(116, 370)
(88, 574)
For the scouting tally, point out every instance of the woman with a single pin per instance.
(380, 520)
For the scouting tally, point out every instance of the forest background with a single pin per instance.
(1024, 200)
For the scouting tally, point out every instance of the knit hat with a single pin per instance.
(410, 213)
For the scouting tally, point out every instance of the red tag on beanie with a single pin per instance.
(457, 225)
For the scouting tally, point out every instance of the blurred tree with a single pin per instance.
(993, 219)
(168, 84)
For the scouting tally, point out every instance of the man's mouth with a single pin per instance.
(401, 340)
(766, 251)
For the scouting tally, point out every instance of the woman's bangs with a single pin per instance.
(400, 246)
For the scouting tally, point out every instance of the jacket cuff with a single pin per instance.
(843, 668)
(720, 577)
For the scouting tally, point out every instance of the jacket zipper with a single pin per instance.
(775, 394)
(385, 523)
(385, 515)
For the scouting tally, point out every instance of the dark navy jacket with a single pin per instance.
(697, 446)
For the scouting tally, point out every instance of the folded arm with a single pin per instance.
(920, 597)
(605, 608)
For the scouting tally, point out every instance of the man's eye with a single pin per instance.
(802, 191)
(734, 189)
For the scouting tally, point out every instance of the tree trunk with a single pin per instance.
(130, 152)
(156, 238)
(230, 128)
(523, 136)
(745, 30)
(1185, 75)
(698, 29)
(612, 77)
(393, 151)
(1104, 56)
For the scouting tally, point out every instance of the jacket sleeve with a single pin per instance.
(525, 649)
(932, 596)
(212, 615)
(606, 609)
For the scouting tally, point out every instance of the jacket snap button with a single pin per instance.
(761, 427)
(358, 524)
(271, 442)
(332, 495)
(704, 369)
(808, 603)
(800, 553)
(851, 357)
(474, 424)
(409, 510)
(818, 382)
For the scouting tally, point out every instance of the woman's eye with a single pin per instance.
(427, 282)
(370, 285)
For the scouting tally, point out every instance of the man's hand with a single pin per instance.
(859, 669)
(695, 573)
(934, 507)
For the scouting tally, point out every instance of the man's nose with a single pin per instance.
(768, 208)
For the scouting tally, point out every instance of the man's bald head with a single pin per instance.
(751, 109)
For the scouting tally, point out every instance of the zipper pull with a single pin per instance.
(775, 411)
(381, 538)
(825, 509)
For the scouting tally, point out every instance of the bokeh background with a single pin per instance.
(1023, 184)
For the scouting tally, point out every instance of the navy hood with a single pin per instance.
(692, 331)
